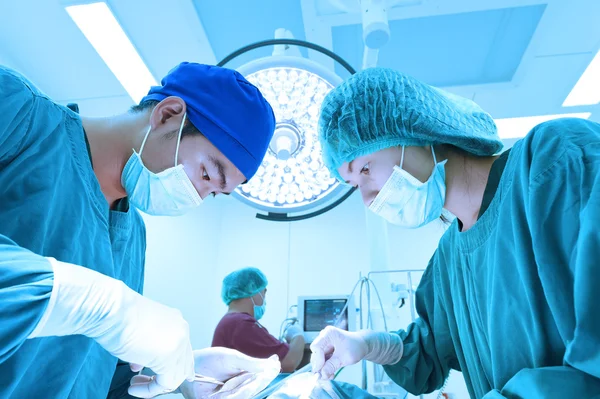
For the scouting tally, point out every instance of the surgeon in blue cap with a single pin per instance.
(72, 243)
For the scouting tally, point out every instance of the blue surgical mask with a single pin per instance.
(168, 193)
(259, 311)
(407, 202)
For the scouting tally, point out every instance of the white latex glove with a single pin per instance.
(292, 332)
(335, 348)
(225, 365)
(129, 326)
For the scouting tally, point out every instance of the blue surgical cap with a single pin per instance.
(380, 108)
(243, 283)
(227, 109)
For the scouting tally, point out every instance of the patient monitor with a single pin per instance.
(317, 312)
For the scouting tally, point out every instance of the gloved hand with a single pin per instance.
(293, 331)
(335, 348)
(226, 365)
(129, 326)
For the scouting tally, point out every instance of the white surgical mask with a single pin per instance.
(168, 193)
(405, 201)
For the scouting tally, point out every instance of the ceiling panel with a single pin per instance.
(232, 24)
(451, 50)
(515, 57)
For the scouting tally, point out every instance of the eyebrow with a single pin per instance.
(220, 170)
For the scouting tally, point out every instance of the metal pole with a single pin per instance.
(410, 289)
(409, 272)
(395, 271)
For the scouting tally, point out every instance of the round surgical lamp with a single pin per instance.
(292, 182)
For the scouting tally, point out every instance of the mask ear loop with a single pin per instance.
(179, 138)
(254, 303)
(144, 141)
(402, 159)
(263, 298)
(434, 158)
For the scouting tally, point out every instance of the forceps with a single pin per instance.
(209, 380)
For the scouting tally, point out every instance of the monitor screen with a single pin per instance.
(320, 313)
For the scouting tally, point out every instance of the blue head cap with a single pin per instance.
(227, 109)
(380, 108)
(243, 283)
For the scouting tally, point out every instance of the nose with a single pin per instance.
(207, 188)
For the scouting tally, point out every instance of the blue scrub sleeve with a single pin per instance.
(427, 359)
(26, 281)
(549, 383)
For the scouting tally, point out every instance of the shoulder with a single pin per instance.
(26, 114)
(240, 325)
(552, 146)
(231, 319)
(16, 89)
(16, 104)
(12, 82)
(17, 92)
(563, 132)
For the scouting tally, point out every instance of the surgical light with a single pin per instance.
(101, 29)
(292, 178)
(292, 173)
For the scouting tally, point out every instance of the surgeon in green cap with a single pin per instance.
(244, 292)
(510, 296)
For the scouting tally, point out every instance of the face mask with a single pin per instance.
(405, 201)
(259, 311)
(168, 193)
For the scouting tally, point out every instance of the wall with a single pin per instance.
(193, 253)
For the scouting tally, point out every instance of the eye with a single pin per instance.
(365, 169)
(205, 175)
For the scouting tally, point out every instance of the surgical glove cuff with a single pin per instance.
(81, 298)
(127, 325)
(382, 347)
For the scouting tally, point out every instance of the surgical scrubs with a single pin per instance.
(52, 206)
(513, 301)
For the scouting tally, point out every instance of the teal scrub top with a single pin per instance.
(512, 302)
(52, 206)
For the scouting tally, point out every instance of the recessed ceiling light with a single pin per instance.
(100, 27)
(511, 128)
